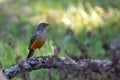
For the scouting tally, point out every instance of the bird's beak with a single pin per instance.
(47, 24)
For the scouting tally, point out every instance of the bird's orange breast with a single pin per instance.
(37, 44)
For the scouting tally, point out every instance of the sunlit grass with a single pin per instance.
(77, 16)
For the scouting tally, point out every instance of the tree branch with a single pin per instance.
(61, 63)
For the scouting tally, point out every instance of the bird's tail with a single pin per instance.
(30, 54)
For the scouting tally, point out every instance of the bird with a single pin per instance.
(38, 39)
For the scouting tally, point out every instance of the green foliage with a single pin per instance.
(19, 19)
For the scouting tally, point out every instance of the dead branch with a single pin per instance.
(61, 63)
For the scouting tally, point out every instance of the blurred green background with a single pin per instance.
(19, 18)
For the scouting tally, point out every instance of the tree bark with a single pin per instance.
(57, 62)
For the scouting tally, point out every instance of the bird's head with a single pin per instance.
(42, 26)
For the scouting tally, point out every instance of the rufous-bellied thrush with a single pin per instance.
(38, 39)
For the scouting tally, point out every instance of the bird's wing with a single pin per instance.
(32, 40)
